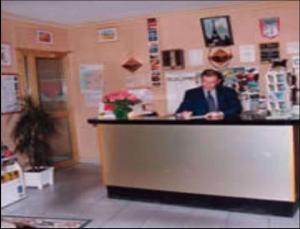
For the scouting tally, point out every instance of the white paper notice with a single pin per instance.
(5, 55)
(292, 47)
(195, 57)
(247, 53)
(9, 95)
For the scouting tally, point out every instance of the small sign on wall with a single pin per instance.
(44, 37)
(195, 57)
(269, 52)
(5, 55)
(247, 53)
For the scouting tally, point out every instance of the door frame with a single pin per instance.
(30, 86)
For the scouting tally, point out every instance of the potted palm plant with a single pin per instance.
(31, 134)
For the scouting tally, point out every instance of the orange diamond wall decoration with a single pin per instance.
(132, 65)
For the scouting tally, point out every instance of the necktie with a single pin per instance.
(211, 102)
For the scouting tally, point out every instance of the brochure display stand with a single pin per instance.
(12, 178)
(278, 91)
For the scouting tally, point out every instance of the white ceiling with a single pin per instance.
(78, 12)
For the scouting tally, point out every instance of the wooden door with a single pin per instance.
(45, 77)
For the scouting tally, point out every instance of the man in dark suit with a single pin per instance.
(212, 99)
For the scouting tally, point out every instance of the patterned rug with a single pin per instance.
(36, 222)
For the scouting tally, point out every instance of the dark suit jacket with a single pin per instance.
(195, 101)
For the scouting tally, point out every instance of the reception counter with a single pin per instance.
(234, 165)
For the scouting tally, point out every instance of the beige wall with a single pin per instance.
(177, 30)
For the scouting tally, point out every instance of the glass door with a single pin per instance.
(52, 97)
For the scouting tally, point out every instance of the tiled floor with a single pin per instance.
(78, 194)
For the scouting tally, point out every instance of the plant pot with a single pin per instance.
(39, 179)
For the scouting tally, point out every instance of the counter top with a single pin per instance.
(172, 121)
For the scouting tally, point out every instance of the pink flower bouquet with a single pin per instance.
(120, 103)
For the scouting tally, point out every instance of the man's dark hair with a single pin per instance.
(212, 72)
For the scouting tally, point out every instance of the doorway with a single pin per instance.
(45, 77)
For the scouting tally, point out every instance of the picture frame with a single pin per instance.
(44, 37)
(217, 31)
(173, 59)
(107, 35)
(269, 52)
(6, 59)
(269, 27)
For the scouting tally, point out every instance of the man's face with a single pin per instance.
(210, 82)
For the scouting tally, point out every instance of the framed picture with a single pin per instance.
(217, 31)
(269, 52)
(173, 59)
(269, 27)
(5, 55)
(107, 35)
(44, 37)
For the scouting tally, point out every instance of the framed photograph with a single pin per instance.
(44, 37)
(217, 31)
(107, 35)
(5, 55)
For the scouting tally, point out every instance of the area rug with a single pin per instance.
(37, 222)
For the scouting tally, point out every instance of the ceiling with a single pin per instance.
(79, 12)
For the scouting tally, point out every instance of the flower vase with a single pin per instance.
(121, 113)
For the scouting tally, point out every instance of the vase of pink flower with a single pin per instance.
(120, 103)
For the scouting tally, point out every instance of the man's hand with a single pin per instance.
(185, 115)
(214, 116)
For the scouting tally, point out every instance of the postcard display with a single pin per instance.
(278, 90)
(12, 178)
(154, 51)
(245, 80)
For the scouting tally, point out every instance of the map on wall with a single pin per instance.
(91, 83)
